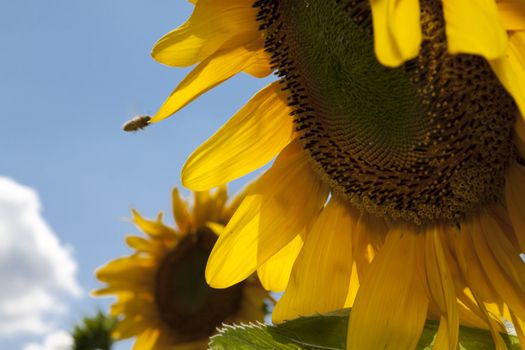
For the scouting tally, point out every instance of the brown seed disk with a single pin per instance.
(184, 300)
(429, 141)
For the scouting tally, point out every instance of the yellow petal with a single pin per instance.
(441, 290)
(503, 266)
(213, 25)
(321, 275)
(505, 251)
(209, 206)
(236, 200)
(286, 198)
(215, 69)
(124, 286)
(275, 272)
(250, 139)
(234, 256)
(181, 213)
(515, 198)
(474, 27)
(153, 228)
(512, 13)
(397, 30)
(510, 69)
(470, 313)
(468, 309)
(260, 66)
(391, 306)
(470, 264)
(215, 227)
(128, 327)
(494, 326)
(134, 269)
(368, 234)
(136, 307)
(147, 339)
(353, 288)
(141, 244)
(519, 326)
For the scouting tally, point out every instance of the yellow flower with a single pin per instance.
(161, 292)
(396, 191)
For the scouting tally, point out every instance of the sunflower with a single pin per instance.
(162, 296)
(398, 183)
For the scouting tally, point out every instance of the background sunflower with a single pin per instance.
(162, 297)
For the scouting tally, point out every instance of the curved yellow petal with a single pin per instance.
(141, 244)
(353, 288)
(441, 290)
(468, 308)
(470, 313)
(501, 263)
(321, 275)
(470, 265)
(514, 189)
(215, 69)
(275, 272)
(391, 306)
(368, 234)
(260, 66)
(512, 13)
(397, 30)
(153, 228)
(209, 206)
(232, 24)
(136, 306)
(147, 339)
(510, 69)
(234, 256)
(505, 251)
(133, 269)
(249, 140)
(519, 326)
(284, 201)
(495, 327)
(216, 228)
(180, 211)
(127, 328)
(474, 27)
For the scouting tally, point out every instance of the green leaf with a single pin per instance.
(328, 332)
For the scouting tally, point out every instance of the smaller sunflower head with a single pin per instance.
(162, 297)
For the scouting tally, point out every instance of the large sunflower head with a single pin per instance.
(398, 181)
(162, 297)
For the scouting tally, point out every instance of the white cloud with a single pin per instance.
(58, 340)
(36, 271)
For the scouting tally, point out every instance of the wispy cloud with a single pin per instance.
(58, 340)
(37, 272)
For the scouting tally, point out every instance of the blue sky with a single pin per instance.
(71, 72)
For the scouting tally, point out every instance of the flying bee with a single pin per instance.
(137, 123)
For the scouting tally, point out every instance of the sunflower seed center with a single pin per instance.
(428, 141)
(184, 300)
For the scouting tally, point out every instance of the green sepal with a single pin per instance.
(328, 332)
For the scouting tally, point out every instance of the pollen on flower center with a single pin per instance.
(428, 141)
(184, 300)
